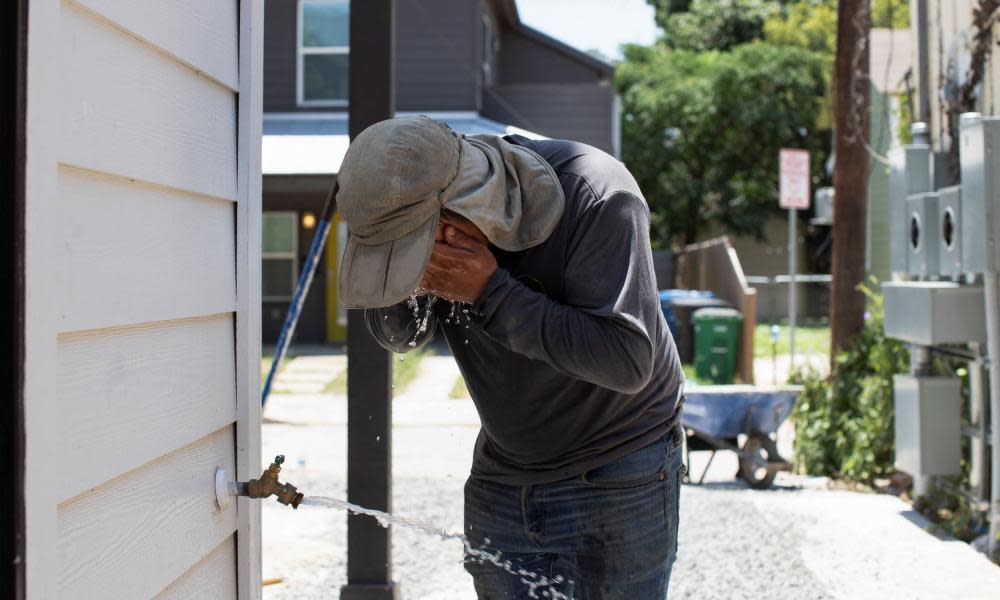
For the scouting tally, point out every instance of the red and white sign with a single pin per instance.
(794, 175)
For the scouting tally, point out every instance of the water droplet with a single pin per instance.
(534, 582)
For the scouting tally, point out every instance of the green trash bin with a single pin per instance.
(716, 343)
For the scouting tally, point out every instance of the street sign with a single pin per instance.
(794, 177)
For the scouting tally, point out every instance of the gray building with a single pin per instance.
(472, 64)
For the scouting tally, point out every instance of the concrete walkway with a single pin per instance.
(799, 540)
(309, 374)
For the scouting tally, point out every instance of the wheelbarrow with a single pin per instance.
(715, 417)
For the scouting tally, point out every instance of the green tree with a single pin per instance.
(702, 130)
(891, 14)
(812, 25)
(712, 24)
(809, 25)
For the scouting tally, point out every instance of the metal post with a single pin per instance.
(979, 478)
(369, 367)
(992, 298)
(923, 72)
(793, 267)
(921, 366)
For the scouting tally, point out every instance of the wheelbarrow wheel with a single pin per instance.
(757, 452)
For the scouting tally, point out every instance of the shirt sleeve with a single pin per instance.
(402, 327)
(604, 330)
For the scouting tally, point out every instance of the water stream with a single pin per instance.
(539, 586)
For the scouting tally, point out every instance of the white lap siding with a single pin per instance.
(143, 218)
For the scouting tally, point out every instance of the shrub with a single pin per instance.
(844, 423)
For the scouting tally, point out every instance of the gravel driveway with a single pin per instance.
(798, 541)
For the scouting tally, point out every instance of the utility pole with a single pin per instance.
(850, 175)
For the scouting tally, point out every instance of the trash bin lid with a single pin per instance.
(676, 294)
(694, 303)
(717, 314)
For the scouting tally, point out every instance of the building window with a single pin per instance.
(323, 52)
(487, 51)
(279, 240)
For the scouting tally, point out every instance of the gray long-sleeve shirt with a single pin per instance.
(567, 355)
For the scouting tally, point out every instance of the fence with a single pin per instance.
(772, 300)
(713, 265)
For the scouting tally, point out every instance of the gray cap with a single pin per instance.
(390, 183)
(399, 173)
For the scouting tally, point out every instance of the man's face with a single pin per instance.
(459, 222)
(461, 263)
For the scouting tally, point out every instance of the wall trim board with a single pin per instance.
(248, 301)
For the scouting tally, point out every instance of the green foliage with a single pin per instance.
(951, 513)
(891, 14)
(701, 131)
(844, 424)
(809, 25)
(713, 24)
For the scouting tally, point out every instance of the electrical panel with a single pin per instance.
(934, 312)
(824, 207)
(980, 222)
(928, 425)
(923, 235)
(910, 172)
(950, 227)
(897, 210)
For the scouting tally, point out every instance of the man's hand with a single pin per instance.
(460, 267)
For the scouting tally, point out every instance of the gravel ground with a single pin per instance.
(797, 541)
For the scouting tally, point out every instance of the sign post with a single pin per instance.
(794, 195)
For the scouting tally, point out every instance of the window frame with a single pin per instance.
(488, 49)
(301, 52)
(293, 255)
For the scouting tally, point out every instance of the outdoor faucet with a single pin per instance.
(264, 487)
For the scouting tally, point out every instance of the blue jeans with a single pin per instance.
(609, 533)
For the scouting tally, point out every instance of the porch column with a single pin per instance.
(369, 368)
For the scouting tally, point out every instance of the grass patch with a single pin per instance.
(403, 372)
(691, 377)
(265, 365)
(809, 339)
(460, 391)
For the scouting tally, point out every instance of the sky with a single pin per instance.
(586, 24)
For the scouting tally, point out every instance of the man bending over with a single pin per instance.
(560, 339)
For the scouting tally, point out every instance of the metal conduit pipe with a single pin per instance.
(991, 280)
(923, 53)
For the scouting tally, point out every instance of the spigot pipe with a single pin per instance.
(267, 485)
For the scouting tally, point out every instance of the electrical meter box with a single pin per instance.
(928, 425)
(824, 207)
(934, 312)
(979, 152)
(910, 172)
(950, 222)
(923, 235)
